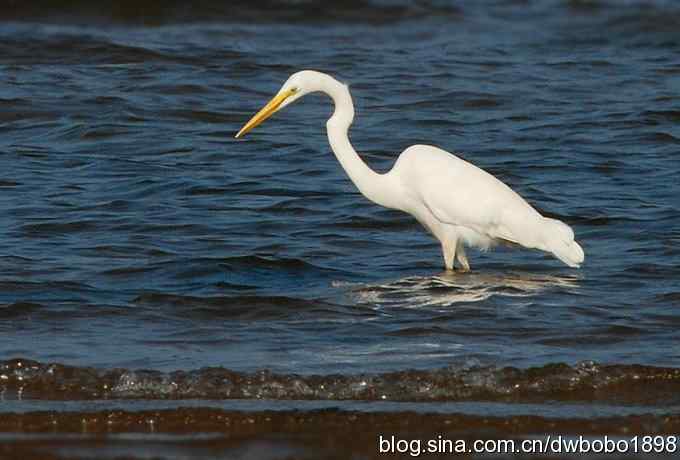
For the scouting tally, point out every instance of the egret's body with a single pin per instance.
(459, 203)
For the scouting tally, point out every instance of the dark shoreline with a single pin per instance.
(326, 433)
(244, 423)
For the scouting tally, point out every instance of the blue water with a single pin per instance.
(136, 232)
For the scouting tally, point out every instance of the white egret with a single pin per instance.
(459, 203)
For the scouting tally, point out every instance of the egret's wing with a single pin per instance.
(459, 193)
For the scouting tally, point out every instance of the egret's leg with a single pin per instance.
(449, 251)
(462, 258)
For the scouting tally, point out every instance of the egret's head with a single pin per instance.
(294, 88)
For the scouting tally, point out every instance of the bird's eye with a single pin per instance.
(295, 89)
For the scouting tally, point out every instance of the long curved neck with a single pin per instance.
(379, 188)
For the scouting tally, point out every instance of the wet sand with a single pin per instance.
(328, 434)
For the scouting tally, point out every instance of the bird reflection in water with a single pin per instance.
(447, 289)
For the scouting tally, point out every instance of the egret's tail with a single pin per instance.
(559, 239)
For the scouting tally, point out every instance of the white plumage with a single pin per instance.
(459, 203)
(479, 210)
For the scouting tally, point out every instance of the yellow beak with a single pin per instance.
(266, 112)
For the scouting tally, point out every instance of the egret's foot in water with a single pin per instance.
(462, 259)
(457, 270)
(449, 252)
